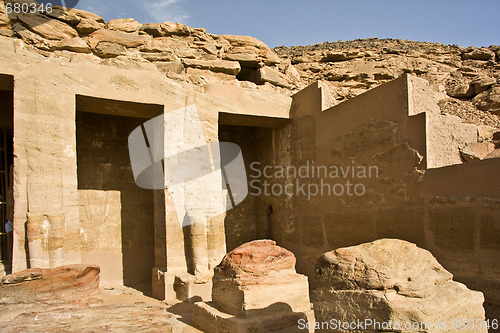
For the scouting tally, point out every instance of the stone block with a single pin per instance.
(256, 289)
(205, 315)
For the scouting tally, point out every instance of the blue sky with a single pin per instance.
(292, 22)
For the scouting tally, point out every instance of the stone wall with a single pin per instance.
(423, 191)
(249, 220)
(116, 215)
(47, 93)
(418, 192)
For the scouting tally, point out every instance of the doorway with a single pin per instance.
(253, 218)
(6, 167)
(116, 215)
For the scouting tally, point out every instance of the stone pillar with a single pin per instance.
(45, 177)
(256, 289)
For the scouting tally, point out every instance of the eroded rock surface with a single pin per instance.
(76, 284)
(393, 281)
(68, 299)
(256, 289)
(465, 79)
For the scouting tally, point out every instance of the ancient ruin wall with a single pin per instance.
(420, 194)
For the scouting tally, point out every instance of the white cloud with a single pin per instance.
(166, 11)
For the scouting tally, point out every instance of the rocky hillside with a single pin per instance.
(467, 80)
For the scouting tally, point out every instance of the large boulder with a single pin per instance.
(489, 100)
(125, 25)
(249, 52)
(392, 285)
(47, 27)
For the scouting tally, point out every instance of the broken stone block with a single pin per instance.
(222, 66)
(47, 27)
(478, 54)
(77, 284)
(493, 154)
(109, 50)
(489, 100)
(481, 83)
(392, 285)
(485, 133)
(458, 86)
(118, 37)
(256, 289)
(273, 76)
(476, 151)
(88, 26)
(126, 25)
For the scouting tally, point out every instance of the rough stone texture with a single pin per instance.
(485, 133)
(352, 67)
(77, 284)
(477, 151)
(116, 318)
(349, 68)
(80, 221)
(72, 44)
(489, 100)
(68, 299)
(47, 27)
(404, 128)
(392, 280)
(274, 77)
(73, 16)
(399, 128)
(256, 276)
(126, 25)
(256, 289)
(119, 37)
(109, 50)
(478, 54)
(88, 26)
(249, 51)
(223, 66)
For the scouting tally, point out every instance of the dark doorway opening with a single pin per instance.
(6, 168)
(252, 218)
(105, 173)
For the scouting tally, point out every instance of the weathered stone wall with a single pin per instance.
(451, 210)
(46, 94)
(115, 214)
(396, 127)
(249, 220)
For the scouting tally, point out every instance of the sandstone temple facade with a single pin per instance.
(73, 88)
